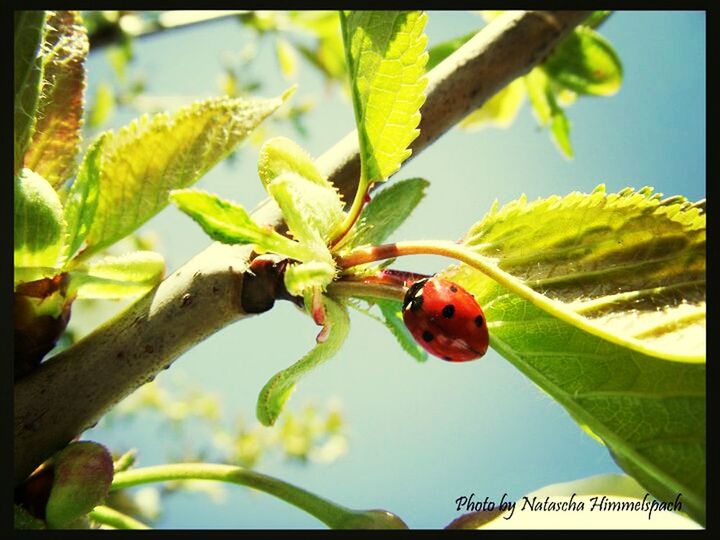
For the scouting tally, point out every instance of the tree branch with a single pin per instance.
(71, 391)
(132, 25)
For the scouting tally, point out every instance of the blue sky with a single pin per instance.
(421, 435)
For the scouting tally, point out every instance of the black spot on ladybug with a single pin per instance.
(448, 311)
(453, 288)
(447, 358)
(479, 321)
(427, 336)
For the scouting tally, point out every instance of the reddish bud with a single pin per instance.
(83, 474)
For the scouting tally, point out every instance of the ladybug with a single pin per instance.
(445, 320)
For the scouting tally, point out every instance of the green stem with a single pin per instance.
(443, 248)
(363, 184)
(117, 520)
(367, 289)
(333, 515)
(352, 216)
(490, 268)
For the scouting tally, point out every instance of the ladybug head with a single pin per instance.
(413, 291)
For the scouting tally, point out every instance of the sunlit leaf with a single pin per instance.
(39, 225)
(103, 107)
(597, 18)
(228, 222)
(386, 211)
(586, 63)
(302, 277)
(27, 74)
(287, 57)
(119, 276)
(23, 274)
(491, 14)
(603, 306)
(280, 154)
(537, 85)
(649, 412)
(328, 55)
(547, 109)
(566, 97)
(120, 55)
(629, 266)
(57, 136)
(560, 128)
(277, 390)
(500, 110)
(149, 157)
(386, 58)
(311, 210)
(262, 21)
(82, 199)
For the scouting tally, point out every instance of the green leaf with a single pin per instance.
(39, 227)
(586, 63)
(135, 266)
(490, 14)
(57, 136)
(82, 199)
(277, 390)
(117, 277)
(597, 18)
(119, 56)
(23, 274)
(627, 267)
(560, 128)
(386, 59)
(649, 412)
(328, 55)
(103, 106)
(287, 57)
(386, 211)
(228, 222)
(146, 159)
(311, 210)
(83, 474)
(547, 110)
(500, 110)
(28, 72)
(280, 154)
(262, 21)
(537, 85)
(392, 314)
(300, 278)
(600, 300)
(438, 53)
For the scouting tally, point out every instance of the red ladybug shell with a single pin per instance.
(445, 320)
